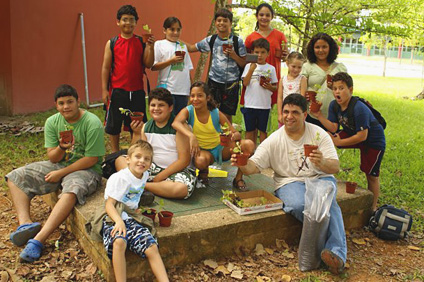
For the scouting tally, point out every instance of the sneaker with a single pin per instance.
(146, 199)
(334, 262)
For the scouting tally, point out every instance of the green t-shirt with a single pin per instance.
(88, 136)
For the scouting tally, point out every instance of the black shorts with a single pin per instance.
(132, 100)
(226, 95)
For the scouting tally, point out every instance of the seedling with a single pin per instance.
(316, 139)
(230, 196)
(225, 129)
(134, 115)
(265, 78)
(126, 112)
(147, 29)
(237, 148)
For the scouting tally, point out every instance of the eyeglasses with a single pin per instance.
(128, 20)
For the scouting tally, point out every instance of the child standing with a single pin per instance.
(360, 129)
(291, 83)
(174, 68)
(227, 57)
(257, 100)
(205, 120)
(125, 188)
(124, 60)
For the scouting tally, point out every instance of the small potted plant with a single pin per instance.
(279, 52)
(227, 46)
(329, 78)
(165, 217)
(67, 135)
(133, 115)
(241, 156)
(350, 183)
(225, 135)
(265, 78)
(149, 212)
(308, 148)
(148, 33)
(180, 53)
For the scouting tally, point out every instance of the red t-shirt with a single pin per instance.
(275, 39)
(127, 66)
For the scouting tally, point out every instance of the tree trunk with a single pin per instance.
(204, 56)
(306, 34)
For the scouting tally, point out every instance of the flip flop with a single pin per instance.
(25, 232)
(32, 251)
(333, 261)
(241, 187)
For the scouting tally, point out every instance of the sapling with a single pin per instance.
(225, 129)
(147, 29)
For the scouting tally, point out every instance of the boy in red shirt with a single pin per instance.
(124, 61)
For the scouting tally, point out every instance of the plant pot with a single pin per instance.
(351, 187)
(226, 47)
(146, 37)
(180, 53)
(151, 215)
(225, 140)
(315, 106)
(66, 136)
(308, 148)
(165, 218)
(242, 159)
(329, 78)
(311, 96)
(263, 80)
(137, 116)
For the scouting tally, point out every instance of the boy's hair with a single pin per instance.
(345, 77)
(332, 53)
(295, 56)
(225, 13)
(65, 90)
(127, 10)
(260, 6)
(143, 145)
(161, 94)
(169, 21)
(211, 102)
(261, 43)
(296, 100)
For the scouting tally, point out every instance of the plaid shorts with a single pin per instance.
(30, 179)
(186, 176)
(138, 238)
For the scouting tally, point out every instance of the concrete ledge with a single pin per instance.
(197, 235)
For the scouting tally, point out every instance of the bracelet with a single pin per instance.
(62, 148)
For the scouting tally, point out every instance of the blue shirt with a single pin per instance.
(364, 119)
(223, 69)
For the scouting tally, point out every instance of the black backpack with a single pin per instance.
(350, 115)
(112, 46)
(108, 165)
(236, 49)
(390, 223)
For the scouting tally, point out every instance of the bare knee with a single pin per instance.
(202, 161)
(248, 146)
(119, 245)
(180, 190)
(152, 251)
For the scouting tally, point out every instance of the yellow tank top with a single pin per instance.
(205, 133)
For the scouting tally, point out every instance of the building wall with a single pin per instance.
(45, 44)
(5, 60)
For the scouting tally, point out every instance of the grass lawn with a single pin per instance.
(402, 173)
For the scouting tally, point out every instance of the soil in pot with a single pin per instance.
(308, 148)
(151, 215)
(315, 106)
(351, 187)
(311, 96)
(226, 47)
(242, 159)
(264, 79)
(137, 116)
(165, 218)
(66, 136)
(225, 140)
(180, 53)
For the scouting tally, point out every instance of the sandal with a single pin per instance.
(333, 261)
(32, 251)
(242, 187)
(25, 232)
(203, 176)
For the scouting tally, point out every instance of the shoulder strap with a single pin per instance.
(212, 42)
(144, 68)
(215, 120)
(235, 44)
(350, 110)
(190, 120)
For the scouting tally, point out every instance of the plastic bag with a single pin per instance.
(316, 217)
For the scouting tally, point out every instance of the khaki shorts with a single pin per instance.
(30, 179)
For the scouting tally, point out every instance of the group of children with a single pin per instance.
(210, 105)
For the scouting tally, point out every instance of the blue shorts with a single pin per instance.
(138, 238)
(255, 118)
(216, 153)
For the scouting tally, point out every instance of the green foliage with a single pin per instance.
(126, 112)
(225, 129)
(237, 148)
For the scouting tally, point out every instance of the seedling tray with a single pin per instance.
(254, 198)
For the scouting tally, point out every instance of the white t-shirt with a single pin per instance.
(286, 156)
(256, 96)
(178, 81)
(291, 86)
(124, 187)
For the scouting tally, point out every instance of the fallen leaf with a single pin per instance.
(210, 263)
(263, 279)
(281, 244)
(230, 267)
(222, 269)
(393, 271)
(259, 250)
(287, 254)
(23, 270)
(269, 251)
(4, 276)
(49, 278)
(414, 248)
(285, 278)
(278, 262)
(91, 268)
(237, 274)
(66, 274)
(359, 241)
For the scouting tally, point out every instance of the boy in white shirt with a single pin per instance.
(260, 80)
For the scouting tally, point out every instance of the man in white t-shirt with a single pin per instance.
(283, 152)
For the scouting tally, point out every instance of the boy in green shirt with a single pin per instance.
(73, 165)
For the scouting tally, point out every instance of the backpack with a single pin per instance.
(214, 116)
(108, 165)
(350, 115)
(112, 46)
(236, 49)
(390, 223)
